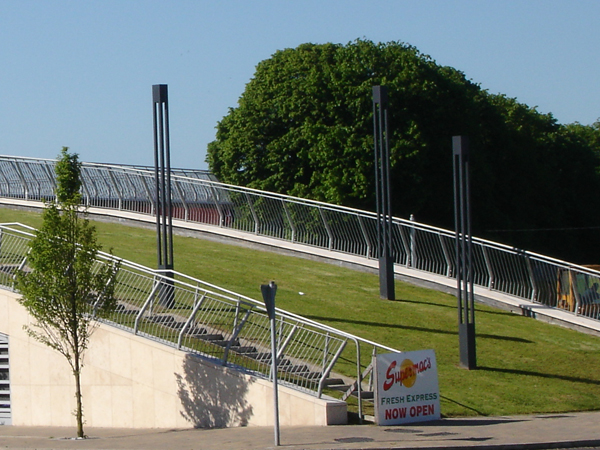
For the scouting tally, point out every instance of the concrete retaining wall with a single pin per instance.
(130, 381)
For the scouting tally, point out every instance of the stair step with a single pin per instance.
(224, 343)
(307, 375)
(260, 356)
(163, 320)
(266, 359)
(340, 387)
(313, 375)
(196, 331)
(333, 381)
(122, 309)
(294, 369)
(244, 350)
(210, 337)
(365, 395)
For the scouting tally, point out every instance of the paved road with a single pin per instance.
(489, 433)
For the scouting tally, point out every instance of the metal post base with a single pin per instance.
(466, 336)
(166, 290)
(386, 278)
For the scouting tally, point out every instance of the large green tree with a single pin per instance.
(303, 126)
(64, 288)
(304, 123)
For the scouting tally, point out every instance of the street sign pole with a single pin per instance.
(268, 292)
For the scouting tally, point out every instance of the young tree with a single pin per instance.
(65, 289)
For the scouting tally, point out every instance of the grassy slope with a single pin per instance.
(525, 366)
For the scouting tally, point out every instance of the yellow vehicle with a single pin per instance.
(578, 292)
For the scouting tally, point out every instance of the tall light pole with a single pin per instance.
(464, 254)
(162, 175)
(382, 193)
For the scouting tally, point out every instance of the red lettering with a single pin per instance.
(395, 413)
(427, 410)
(389, 377)
(394, 375)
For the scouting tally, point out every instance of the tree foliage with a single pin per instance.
(303, 126)
(68, 178)
(64, 288)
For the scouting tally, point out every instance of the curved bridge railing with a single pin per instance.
(199, 198)
(218, 324)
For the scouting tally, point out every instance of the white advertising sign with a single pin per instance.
(407, 388)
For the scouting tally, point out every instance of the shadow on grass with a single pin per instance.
(379, 324)
(444, 305)
(539, 374)
(423, 302)
(413, 328)
(504, 338)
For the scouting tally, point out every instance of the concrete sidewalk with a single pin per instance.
(508, 432)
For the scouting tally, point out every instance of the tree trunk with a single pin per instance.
(72, 276)
(79, 410)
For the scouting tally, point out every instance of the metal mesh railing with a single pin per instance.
(216, 323)
(497, 267)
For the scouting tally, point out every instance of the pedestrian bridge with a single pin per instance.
(200, 203)
(231, 331)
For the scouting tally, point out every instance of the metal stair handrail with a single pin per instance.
(216, 323)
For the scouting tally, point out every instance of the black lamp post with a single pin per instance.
(464, 255)
(382, 191)
(162, 174)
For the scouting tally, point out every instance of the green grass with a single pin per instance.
(524, 366)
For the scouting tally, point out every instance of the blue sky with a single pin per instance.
(79, 73)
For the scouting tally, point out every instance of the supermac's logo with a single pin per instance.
(406, 375)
